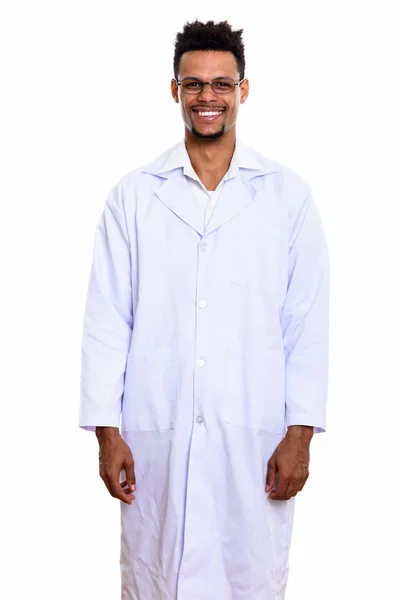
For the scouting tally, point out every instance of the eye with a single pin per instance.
(191, 84)
(224, 85)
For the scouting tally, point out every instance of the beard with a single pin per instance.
(207, 136)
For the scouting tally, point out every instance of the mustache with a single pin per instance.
(208, 106)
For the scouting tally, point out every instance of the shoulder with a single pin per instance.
(291, 190)
(139, 180)
(286, 179)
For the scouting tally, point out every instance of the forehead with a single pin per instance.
(206, 64)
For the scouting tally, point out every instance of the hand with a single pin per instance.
(289, 463)
(115, 456)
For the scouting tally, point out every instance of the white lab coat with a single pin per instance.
(208, 344)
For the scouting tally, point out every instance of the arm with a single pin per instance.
(107, 332)
(305, 330)
(108, 320)
(305, 320)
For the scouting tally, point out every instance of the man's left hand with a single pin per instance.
(289, 463)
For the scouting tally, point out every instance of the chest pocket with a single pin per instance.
(260, 259)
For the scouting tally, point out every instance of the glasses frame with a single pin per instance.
(210, 83)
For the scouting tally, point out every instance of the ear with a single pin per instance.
(244, 91)
(175, 90)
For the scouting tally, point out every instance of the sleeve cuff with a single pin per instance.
(91, 424)
(318, 423)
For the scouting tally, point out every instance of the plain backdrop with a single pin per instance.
(86, 98)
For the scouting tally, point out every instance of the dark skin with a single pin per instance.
(288, 465)
(210, 157)
(115, 456)
(210, 147)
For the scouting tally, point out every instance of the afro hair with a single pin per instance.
(209, 36)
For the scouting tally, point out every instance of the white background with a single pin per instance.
(86, 98)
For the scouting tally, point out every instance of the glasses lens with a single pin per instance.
(191, 86)
(223, 85)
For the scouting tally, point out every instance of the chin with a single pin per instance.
(207, 136)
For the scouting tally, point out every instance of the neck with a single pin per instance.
(211, 158)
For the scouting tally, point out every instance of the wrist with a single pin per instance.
(107, 433)
(304, 432)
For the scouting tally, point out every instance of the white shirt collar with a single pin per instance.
(241, 158)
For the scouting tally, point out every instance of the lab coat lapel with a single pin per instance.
(237, 192)
(235, 195)
(177, 195)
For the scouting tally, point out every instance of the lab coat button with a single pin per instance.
(203, 247)
(200, 362)
(202, 303)
(199, 419)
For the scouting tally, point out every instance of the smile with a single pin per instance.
(207, 115)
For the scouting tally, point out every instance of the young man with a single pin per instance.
(206, 326)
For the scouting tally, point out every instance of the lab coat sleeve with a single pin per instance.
(108, 321)
(305, 319)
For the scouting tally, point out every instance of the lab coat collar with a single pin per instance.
(177, 157)
(237, 192)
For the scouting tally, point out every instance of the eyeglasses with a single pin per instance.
(219, 85)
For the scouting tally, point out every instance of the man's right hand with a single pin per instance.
(115, 456)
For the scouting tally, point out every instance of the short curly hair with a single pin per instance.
(209, 36)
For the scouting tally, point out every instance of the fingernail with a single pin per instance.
(133, 487)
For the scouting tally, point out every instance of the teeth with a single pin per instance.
(209, 114)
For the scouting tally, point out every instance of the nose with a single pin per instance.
(207, 92)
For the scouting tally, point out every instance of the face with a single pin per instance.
(207, 65)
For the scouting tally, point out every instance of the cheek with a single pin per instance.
(184, 111)
(232, 111)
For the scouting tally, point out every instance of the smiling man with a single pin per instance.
(205, 346)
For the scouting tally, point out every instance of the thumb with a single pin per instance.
(130, 472)
(271, 473)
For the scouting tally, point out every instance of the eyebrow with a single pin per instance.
(215, 77)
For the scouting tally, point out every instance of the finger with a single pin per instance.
(271, 474)
(291, 494)
(303, 480)
(126, 488)
(292, 490)
(129, 466)
(297, 481)
(118, 492)
(279, 493)
(108, 481)
(124, 485)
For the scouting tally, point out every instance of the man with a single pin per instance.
(206, 326)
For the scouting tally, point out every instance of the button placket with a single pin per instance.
(201, 331)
